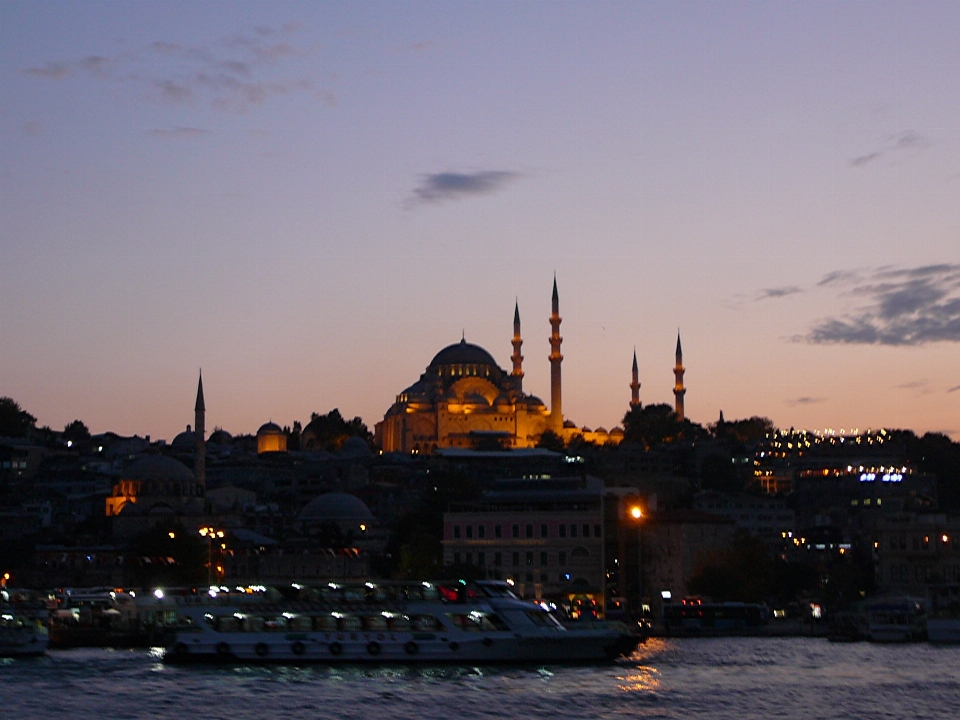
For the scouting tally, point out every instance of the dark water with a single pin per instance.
(740, 678)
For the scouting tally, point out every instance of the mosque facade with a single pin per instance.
(464, 400)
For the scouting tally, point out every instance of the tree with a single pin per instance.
(14, 421)
(328, 432)
(736, 433)
(653, 425)
(76, 432)
(549, 440)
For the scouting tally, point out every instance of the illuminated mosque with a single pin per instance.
(465, 400)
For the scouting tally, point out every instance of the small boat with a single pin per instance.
(943, 613)
(387, 623)
(894, 620)
(21, 635)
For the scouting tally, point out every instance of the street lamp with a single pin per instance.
(212, 534)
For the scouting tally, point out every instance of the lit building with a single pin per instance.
(464, 399)
(271, 438)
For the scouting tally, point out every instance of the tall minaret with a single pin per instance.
(635, 385)
(556, 405)
(678, 390)
(200, 453)
(517, 342)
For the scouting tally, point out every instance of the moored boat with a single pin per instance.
(22, 630)
(393, 623)
(943, 613)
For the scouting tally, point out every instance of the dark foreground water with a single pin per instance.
(740, 678)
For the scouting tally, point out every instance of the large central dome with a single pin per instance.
(462, 353)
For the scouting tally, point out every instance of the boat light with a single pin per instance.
(158, 594)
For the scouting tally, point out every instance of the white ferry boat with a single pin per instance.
(389, 623)
(894, 620)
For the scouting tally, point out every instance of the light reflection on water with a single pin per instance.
(737, 678)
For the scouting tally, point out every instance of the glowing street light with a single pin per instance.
(636, 513)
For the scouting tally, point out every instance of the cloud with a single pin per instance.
(178, 133)
(50, 71)
(451, 186)
(805, 401)
(864, 159)
(912, 385)
(780, 292)
(899, 306)
(905, 140)
(232, 74)
(954, 389)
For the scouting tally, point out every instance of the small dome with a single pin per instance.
(220, 437)
(269, 428)
(187, 438)
(355, 447)
(533, 401)
(569, 424)
(462, 353)
(475, 399)
(158, 467)
(337, 507)
(601, 431)
(617, 432)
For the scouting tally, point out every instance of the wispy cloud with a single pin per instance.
(451, 186)
(805, 401)
(954, 389)
(905, 140)
(768, 293)
(900, 306)
(232, 74)
(178, 133)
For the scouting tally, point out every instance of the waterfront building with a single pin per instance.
(544, 535)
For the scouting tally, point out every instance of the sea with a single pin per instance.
(741, 678)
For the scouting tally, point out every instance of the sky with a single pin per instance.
(309, 200)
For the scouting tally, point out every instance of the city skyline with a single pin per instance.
(308, 201)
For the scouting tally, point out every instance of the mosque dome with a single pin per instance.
(158, 467)
(345, 509)
(271, 438)
(186, 439)
(269, 428)
(355, 447)
(462, 353)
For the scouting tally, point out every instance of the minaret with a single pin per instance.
(556, 406)
(517, 342)
(635, 385)
(678, 390)
(200, 453)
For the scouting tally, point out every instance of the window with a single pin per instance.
(543, 531)
(543, 559)
(529, 577)
(516, 559)
(563, 530)
(529, 530)
(596, 531)
(469, 532)
(516, 531)
(456, 532)
(456, 558)
(586, 530)
(529, 557)
(573, 531)
(481, 559)
(543, 577)
(481, 531)
(469, 558)
(562, 558)
(498, 559)
(498, 531)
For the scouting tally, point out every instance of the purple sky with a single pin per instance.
(309, 200)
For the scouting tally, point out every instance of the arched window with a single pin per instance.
(580, 552)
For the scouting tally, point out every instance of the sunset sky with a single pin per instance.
(309, 200)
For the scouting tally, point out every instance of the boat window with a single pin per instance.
(350, 623)
(399, 623)
(326, 623)
(375, 623)
(301, 623)
(477, 622)
(253, 623)
(426, 622)
(543, 620)
(275, 624)
(228, 624)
